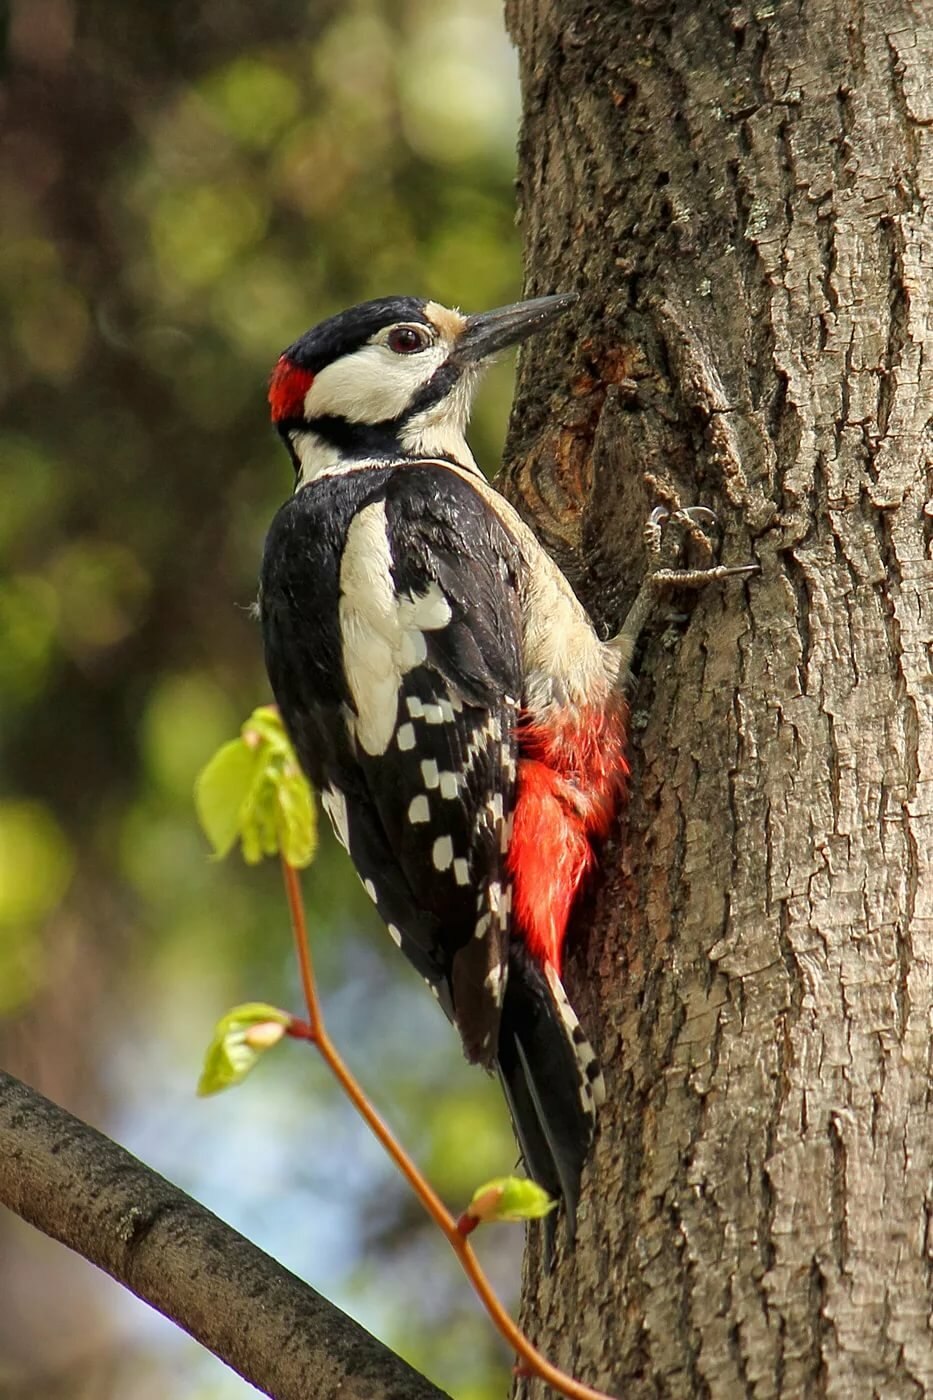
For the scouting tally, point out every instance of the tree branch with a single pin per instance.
(80, 1188)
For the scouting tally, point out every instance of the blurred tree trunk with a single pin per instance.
(744, 197)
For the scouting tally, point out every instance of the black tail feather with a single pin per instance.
(551, 1080)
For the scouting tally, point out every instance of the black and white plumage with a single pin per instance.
(400, 692)
(422, 648)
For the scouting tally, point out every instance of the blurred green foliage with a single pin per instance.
(184, 188)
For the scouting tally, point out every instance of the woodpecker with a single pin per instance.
(446, 692)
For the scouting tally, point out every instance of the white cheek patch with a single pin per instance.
(382, 633)
(372, 384)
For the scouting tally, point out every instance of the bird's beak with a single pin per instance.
(490, 331)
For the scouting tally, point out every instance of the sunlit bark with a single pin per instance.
(744, 196)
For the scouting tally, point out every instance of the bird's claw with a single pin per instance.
(696, 519)
(660, 577)
(690, 515)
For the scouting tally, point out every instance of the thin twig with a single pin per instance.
(533, 1362)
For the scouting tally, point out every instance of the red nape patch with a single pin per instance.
(287, 389)
(571, 772)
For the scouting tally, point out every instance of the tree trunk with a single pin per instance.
(744, 197)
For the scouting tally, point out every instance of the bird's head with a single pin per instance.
(391, 379)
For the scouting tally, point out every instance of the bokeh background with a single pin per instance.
(185, 186)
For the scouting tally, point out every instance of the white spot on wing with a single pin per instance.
(395, 935)
(419, 810)
(449, 785)
(335, 805)
(480, 742)
(405, 738)
(370, 889)
(414, 706)
(429, 774)
(461, 871)
(442, 853)
(500, 902)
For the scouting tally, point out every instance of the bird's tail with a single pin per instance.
(550, 1076)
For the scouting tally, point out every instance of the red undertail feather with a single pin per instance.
(287, 389)
(571, 772)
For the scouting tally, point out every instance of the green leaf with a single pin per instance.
(510, 1198)
(254, 790)
(240, 1037)
(221, 790)
(298, 832)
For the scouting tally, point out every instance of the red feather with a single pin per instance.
(571, 773)
(287, 389)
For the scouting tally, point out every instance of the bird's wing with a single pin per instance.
(418, 720)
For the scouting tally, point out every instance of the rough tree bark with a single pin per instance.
(743, 194)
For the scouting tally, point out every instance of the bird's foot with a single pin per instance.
(663, 545)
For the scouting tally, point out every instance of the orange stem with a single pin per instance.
(532, 1359)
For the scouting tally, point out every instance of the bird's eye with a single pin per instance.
(405, 340)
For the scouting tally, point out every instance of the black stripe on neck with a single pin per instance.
(358, 439)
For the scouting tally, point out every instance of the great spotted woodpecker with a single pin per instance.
(446, 692)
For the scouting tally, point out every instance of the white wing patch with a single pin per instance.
(382, 632)
(335, 805)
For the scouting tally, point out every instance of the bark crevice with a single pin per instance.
(749, 223)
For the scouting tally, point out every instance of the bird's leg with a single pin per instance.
(660, 576)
